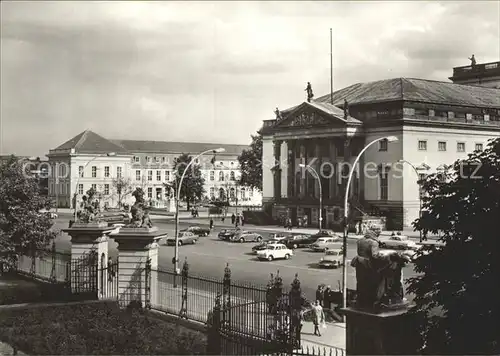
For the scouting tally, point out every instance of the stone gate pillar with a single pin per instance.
(138, 278)
(87, 239)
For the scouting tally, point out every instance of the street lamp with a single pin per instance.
(346, 227)
(176, 247)
(419, 189)
(109, 154)
(316, 175)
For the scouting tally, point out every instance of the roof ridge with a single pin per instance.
(82, 139)
(181, 142)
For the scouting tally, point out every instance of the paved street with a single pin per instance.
(210, 255)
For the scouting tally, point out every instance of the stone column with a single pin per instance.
(88, 239)
(135, 247)
(277, 169)
(333, 160)
(284, 163)
(291, 168)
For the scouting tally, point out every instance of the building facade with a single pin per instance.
(435, 124)
(92, 161)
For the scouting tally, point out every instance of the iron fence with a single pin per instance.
(108, 280)
(45, 265)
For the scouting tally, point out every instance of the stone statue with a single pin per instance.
(309, 91)
(139, 211)
(472, 60)
(278, 114)
(87, 212)
(346, 109)
(378, 276)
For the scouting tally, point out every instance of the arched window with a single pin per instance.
(222, 194)
(232, 175)
(232, 193)
(243, 193)
(212, 192)
(221, 176)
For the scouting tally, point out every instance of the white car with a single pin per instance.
(274, 251)
(399, 242)
(325, 243)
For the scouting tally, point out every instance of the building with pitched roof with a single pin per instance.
(435, 123)
(89, 160)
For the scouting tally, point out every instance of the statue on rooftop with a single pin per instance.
(278, 114)
(346, 109)
(309, 91)
(379, 279)
(472, 60)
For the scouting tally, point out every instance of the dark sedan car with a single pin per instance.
(198, 230)
(263, 245)
(226, 234)
(298, 241)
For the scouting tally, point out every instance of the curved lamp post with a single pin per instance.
(109, 154)
(346, 213)
(316, 175)
(178, 194)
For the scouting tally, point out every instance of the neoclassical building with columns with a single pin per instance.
(435, 124)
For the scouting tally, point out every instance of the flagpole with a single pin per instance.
(331, 67)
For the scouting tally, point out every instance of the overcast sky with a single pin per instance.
(211, 71)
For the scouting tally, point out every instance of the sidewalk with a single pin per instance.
(333, 336)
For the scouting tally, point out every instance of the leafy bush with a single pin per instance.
(95, 329)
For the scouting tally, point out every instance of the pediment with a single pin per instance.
(310, 115)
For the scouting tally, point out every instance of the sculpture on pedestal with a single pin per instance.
(346, 109)
(139, 211)
(472, 60)
(379, 283)
(309, 91)
(277, 112)
(87, 212)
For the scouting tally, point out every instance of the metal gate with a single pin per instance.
(269, 324)
(108, 279)
(84, 274)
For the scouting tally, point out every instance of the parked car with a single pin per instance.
(226, 234)
(246, 236)
(297, 241)
(399, 242)
(185, 238)
(263, 245)
(277, 236)
(324, 233)
(324, 243)
(274, 251)
(198, 230)
(332, 258)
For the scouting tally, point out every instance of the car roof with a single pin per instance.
(276, 244)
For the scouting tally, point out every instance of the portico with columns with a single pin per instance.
(323, 137)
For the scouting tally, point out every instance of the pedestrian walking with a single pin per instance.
(320, 295)
(360, 227)
(233, 219)
(327, 298)
(319, 318)
(211, 223)
(289, 224)
(242, 220)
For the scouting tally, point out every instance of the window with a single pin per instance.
(150, 192)
(212, 192)
(243, 195)
(148, 159)
(106, 189)
(382, 145)
(221, 176)
(163, 160)
(119, 172)
(80, 171)
(167, 176)
(94, 171)
(422, 145)
(80, 189)
(137, 175)
(94, 186)
(150, 175)
(232, 175)
(136, 159)
(106, 172)
(479, 146)
(384, 184)
(157, 159)
(158, 175)
(232, 193)
(460, 146)
(212, 175)
(250, 192)
(441, 146)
